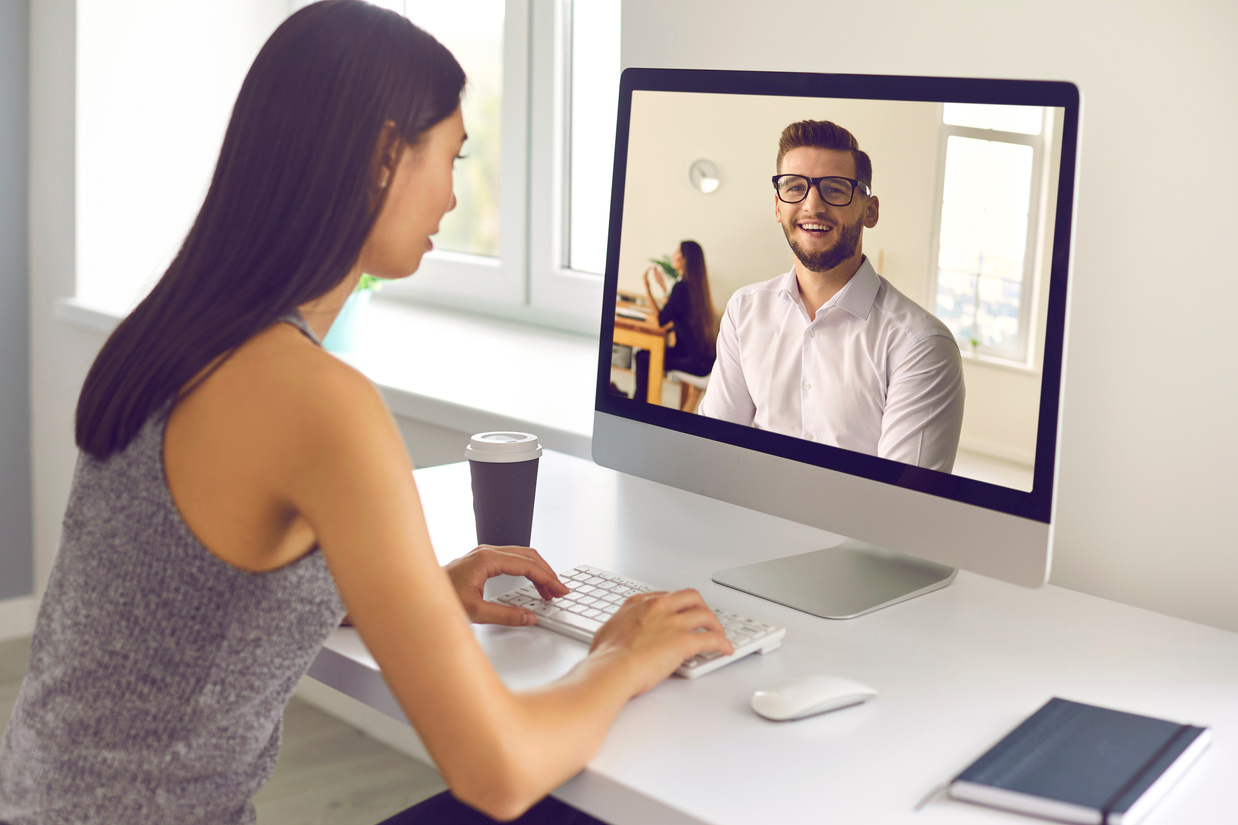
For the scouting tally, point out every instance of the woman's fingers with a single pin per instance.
(688, 611)
(681, 617)
(470, 572)
(491, 613)
(512, 560)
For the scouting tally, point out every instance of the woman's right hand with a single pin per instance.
(657, 632)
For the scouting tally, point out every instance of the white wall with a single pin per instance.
(59, 355)
(1145, 510)
(16, 550)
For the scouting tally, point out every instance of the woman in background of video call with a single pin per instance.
(688, 310)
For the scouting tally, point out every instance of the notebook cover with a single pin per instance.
(1077, 757)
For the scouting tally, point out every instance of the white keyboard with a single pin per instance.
(597, 594)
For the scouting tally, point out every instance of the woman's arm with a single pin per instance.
(653, 302)
(499, 751)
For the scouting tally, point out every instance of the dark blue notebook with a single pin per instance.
(1082, 763)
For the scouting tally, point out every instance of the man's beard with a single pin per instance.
(846, 245)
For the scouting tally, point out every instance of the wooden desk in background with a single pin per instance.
(647, 335)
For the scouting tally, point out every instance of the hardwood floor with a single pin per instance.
(328, 774)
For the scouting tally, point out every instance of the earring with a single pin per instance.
(382, 184)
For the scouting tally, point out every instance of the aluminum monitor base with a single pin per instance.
(839, 582)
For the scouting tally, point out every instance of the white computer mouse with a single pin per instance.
(808, 695)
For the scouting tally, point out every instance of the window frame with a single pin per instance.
(554, 286)
(472, 281)
(529, 281)
(1023, 354)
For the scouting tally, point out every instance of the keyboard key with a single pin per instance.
(579, 622)
(544, 609)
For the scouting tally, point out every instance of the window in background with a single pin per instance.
(989, 225)
(527, 240)
(474, 34)
(155, 86)
(528, 237)
(593, 78)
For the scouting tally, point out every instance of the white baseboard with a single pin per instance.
(17, 617)
(373, 723)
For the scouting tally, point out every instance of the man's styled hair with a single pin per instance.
(822, 134)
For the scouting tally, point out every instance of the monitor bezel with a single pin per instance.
(1036, 504)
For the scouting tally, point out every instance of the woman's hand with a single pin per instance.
(657, 276)
(469, 574)
(658, 632)
(653, 302)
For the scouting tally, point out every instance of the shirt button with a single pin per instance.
(812, 333)
(807, 386)
(809, 436)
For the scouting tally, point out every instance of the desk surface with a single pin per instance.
(956, 670)
(645, 333)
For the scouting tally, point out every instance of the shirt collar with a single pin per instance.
(856, 297)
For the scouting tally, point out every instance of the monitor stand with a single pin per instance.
(839, 582)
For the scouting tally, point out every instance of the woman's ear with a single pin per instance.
(386, 155)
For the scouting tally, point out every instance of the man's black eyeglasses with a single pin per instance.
(835, 191)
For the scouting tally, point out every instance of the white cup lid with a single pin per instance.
(502, 447)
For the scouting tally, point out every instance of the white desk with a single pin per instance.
(956, 670)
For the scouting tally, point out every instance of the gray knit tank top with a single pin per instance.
(158, 672)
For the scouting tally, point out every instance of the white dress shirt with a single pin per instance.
(873, 372)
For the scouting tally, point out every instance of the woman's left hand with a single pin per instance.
(657, 276)
(469, 574)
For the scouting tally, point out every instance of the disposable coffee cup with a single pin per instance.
(503, 467)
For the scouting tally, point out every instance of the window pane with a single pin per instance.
(1026, 120)
(956, 303)
(983, 239)
(997, 312)
(591, 135)
(474, 33)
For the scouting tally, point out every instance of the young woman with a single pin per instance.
(689, 311)
(239, 488)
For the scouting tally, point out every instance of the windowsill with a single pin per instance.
(472, 373)
(458, 371)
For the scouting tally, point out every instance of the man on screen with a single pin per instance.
(830, 351)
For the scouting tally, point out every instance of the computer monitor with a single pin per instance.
(976, 184)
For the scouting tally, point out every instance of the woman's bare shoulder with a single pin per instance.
(286, 367)
(277, 397)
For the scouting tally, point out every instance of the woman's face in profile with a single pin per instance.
(677, 260)
(419, 195)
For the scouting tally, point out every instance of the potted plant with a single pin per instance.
(668, 269)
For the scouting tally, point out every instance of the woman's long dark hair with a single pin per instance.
(291, 203)
(700, 301)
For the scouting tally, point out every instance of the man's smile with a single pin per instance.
(815, 229)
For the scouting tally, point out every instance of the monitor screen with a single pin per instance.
(934, 371)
